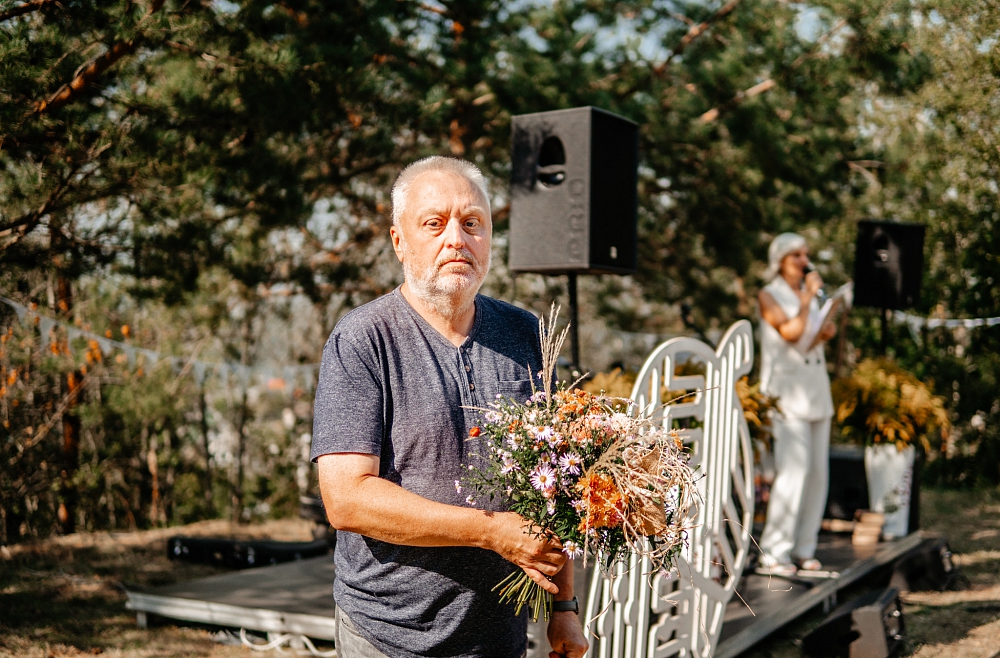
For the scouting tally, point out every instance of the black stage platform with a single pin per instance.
(297, 597)
(776, 601)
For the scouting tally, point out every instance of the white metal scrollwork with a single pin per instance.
(639, 614)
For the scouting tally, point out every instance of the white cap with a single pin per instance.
(780, 247)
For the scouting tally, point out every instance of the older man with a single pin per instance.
(400, 383)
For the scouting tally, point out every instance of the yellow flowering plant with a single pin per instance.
(881, 403)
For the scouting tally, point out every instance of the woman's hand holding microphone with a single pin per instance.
(814, 287)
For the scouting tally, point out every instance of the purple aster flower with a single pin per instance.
(545, 434)
(509, 465)
(543, 478)
(570, 463)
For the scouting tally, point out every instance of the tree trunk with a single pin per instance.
(207, 482)
(241, 442)
(68, 495)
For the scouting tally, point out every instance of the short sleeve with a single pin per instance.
(348, 414)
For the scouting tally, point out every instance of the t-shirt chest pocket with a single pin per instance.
(519, 390)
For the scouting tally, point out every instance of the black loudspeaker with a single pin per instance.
(870, 626)
(573, 204)
(888, 264)
(929, 567)
(848, 483)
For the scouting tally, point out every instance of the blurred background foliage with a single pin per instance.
(214, 175)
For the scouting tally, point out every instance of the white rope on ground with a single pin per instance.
(277, 643)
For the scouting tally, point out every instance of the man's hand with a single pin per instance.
(566, 636)
(540, 559)
(828, 331)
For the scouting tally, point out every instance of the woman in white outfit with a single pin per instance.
(802, 428)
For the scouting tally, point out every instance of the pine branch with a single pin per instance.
(90, 71)
(697, 30)
(755, 90)
(694, 31)
(87, 74)
(29, 221)
(766, 85)
(24, 8)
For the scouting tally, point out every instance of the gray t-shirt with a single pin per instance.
(391, 385)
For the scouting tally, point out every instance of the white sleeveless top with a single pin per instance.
(800, 381)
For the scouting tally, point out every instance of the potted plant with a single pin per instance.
(888, 410)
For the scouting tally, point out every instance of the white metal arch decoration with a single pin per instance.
(638, 614)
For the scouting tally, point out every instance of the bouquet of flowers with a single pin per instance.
(600, 481)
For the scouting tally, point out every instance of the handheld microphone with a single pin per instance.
(820, 294)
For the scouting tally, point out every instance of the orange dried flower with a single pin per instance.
(474, 432)
(605, 504)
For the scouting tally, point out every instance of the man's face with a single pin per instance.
(443, 240)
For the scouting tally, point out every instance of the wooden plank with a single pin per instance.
(767, 622)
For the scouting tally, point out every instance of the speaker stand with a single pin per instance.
(574, 316)
(885, 330)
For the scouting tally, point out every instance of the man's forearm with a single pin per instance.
(359, 501)
(379, 509)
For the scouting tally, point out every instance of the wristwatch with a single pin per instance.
(566, 606)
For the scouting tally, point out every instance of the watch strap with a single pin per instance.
(566, 606)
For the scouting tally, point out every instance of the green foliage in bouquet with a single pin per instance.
(882, 403)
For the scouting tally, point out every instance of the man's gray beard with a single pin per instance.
(449, 295)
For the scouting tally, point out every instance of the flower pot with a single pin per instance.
(890, 477)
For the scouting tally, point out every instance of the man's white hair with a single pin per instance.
(406, 177)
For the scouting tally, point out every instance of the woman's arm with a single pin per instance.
(790, 328)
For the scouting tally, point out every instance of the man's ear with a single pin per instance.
(397, 241)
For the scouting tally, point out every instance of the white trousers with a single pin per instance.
(798, 495)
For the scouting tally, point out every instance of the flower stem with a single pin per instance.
(518, 588)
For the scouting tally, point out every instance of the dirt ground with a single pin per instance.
(65, 597)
